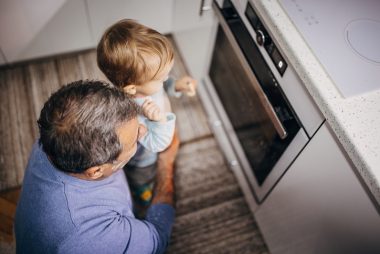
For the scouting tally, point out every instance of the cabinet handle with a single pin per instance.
(204, 6)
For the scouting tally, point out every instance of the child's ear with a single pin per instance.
(130, 89)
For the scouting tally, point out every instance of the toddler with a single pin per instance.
(138, 60)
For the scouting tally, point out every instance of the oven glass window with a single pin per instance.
(258, 138)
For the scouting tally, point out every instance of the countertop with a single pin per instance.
(355, 120)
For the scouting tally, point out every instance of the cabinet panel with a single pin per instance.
(187, 16)
(67, 31)
(319, 206)
(195, 47)
(155, 14)
(194, 35)
(2, 57)
(21, 21)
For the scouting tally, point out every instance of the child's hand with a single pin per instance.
(152, 111)
(186, 85)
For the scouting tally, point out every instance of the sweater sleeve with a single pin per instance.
(120, 234)
(169, 86)
(159, 135)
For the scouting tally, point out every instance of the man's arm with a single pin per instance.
(161, 213)
(119, 234)
(164, 191)
(115, 233)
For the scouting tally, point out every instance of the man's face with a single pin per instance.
(129, 133)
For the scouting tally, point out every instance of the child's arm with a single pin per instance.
(160, 127)
(152, 111)
(175, 88)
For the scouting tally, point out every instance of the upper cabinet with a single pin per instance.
(155, 14)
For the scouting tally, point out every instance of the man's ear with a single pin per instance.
(130, 89)
(94, 173)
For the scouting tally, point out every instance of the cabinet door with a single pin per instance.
(194, 34)
(155, 14)
(68, 30)
(319, 206)
(21, 21)
(2, 58)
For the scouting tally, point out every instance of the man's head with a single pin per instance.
(131, 54)
(89, 128)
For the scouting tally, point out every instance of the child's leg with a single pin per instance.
(141, 179)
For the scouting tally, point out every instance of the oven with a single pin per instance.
(258, 128)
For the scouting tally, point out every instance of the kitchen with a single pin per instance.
(319, 192)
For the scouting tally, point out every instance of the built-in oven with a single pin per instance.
(243, 84)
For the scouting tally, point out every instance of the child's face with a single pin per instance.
(153, 86)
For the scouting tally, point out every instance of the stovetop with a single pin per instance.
(345, 37)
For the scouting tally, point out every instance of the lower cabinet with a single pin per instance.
(2, 57)
(157, 14)
(65, 26)
(194, 33)
(67, 31)
(319, 206)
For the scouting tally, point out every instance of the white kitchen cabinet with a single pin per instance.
(68, 30)
(194, 34)
(155, 14)
(20, 23)
(319, 206)
(187, 16)
(2, 58)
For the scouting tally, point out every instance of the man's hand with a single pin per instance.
(186, 85)
(152, 111)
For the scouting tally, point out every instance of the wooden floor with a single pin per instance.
(212, 215)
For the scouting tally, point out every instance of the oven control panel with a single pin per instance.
(263, 39)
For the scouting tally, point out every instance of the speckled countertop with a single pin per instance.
(355, 120)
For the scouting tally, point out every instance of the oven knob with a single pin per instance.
(260, 37)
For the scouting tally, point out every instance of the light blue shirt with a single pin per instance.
(159, 135)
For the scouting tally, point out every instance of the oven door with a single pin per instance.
(262, 128)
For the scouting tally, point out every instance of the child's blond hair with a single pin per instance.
(125, 52)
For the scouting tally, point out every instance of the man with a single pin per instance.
(75, 198)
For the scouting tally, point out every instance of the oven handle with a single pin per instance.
(263, 98)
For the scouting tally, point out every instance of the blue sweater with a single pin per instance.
(59, 213)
